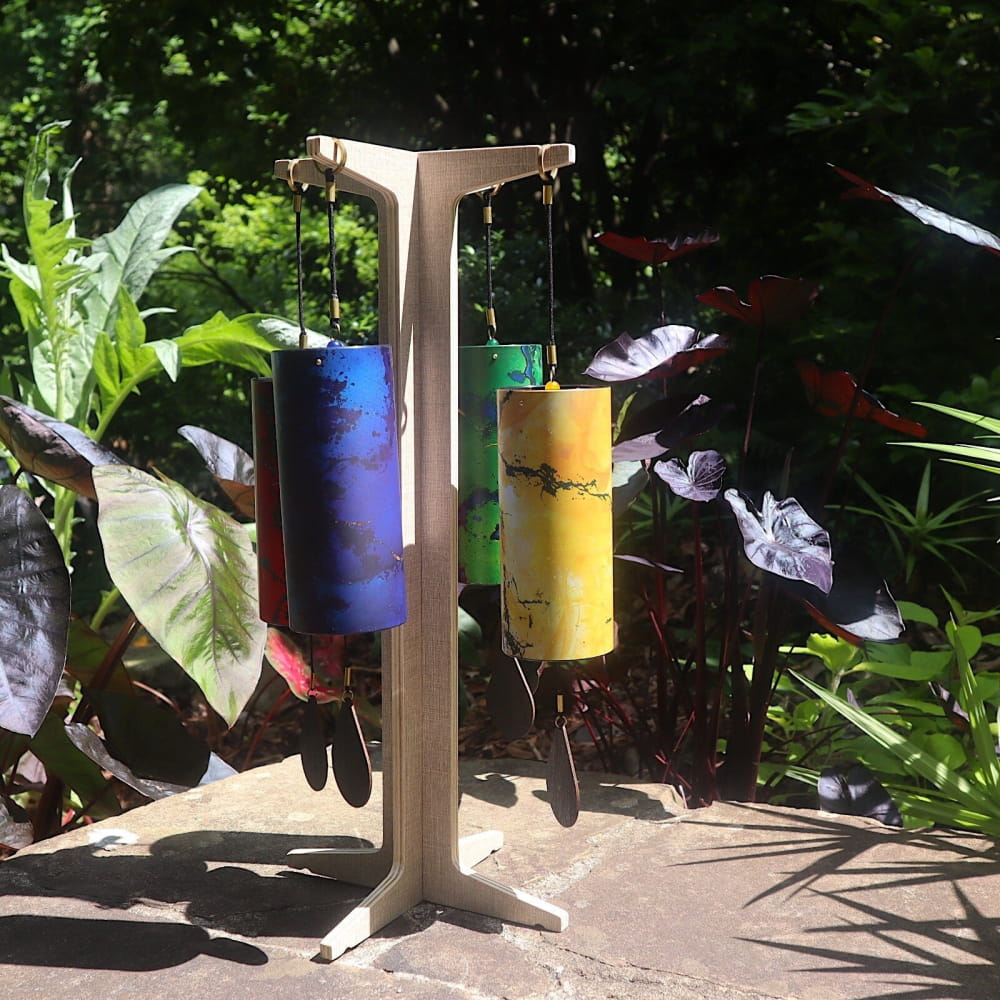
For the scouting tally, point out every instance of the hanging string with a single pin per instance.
(491, 316)
(551, 355)
(331, 215)
(297, 191)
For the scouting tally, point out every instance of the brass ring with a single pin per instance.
(339, 156)
(297, 186)
(546, 175)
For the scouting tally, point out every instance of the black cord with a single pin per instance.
(297, 192)
(331, 215)
(547, 184)
(491, 316)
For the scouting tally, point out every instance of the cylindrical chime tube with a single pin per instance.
(481, 371)
(555, 522)
(273, 597)
(338, 458)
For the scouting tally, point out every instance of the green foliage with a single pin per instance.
(924, 719)
(186, 569)
(190, 572)
(986, 458)
(918, 532)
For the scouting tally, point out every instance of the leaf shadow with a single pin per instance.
(879, 922)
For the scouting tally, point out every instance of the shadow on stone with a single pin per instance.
(126, 945)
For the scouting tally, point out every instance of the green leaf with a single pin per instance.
(922, 666)
(916, 613)
(971, 699)
(106, 369)
(169, 356)
(915, 760)
(135, 249)
(967, 637)
(130, 334)
(837, 654)
(189, 573)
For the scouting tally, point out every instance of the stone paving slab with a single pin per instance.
(191, 897)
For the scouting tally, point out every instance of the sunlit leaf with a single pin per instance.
(628, 480)
(771, 300)
(322, 675)
(643, 561)
(700, 478)
(667, 351)
(34, 613)
(858, 607)
(656, 251)
(783, 539)
(189, 573)
(833, 393)
(927, 215)
(15, 826)
(232, 467)
(49, 448)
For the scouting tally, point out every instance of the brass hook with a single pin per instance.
(547, 175)
(297, 186)
(339, 156)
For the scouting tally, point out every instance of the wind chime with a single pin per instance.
(550, 545)
(482, 370)
(329, 512)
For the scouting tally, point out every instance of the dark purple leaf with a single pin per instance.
(771, 300)
(858, 607)
(667, 351)
(657, 251)
(699, 479)
(232, 467)
(783, 539)
(89, 743)
(642, 561)
(15, 826)
(52, 449)
(927, 215)
(34, 613)
(151, 741)
(666, 424)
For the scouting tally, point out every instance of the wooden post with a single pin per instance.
(421, 858)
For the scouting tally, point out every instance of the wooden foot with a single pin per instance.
(365, 866)
(478, 847)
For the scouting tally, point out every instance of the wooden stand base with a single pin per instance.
(422, 858)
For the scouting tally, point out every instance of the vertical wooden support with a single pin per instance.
(417, 195)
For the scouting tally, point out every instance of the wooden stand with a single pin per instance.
(421, 857)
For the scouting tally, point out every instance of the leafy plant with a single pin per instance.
(925, 720)
(185, 568)
(918, 531)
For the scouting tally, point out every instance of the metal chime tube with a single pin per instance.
(555, 522)
(273, 596)
(481, 371)
(338, 460)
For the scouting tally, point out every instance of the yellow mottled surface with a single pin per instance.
(555, 522)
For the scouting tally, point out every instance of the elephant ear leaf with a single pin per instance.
(700, 478)
(34, 613)
(49, 448)
(188, 571)
(231, 466)
(783, 539)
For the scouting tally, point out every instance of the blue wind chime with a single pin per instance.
(329, 512)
